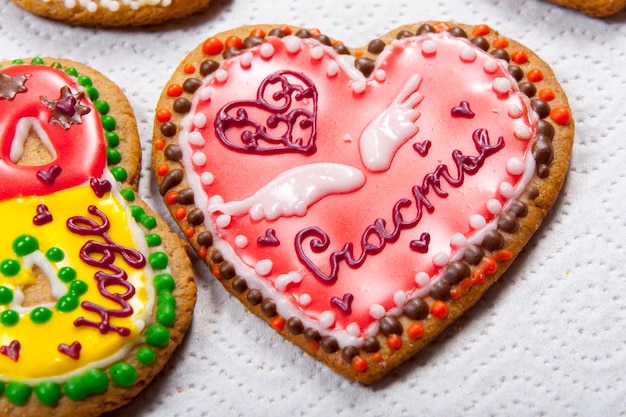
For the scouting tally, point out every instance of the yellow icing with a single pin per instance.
(39, 356)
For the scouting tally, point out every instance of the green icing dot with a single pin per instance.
(166, 314)
(85, 81)
(92, 93)
(67, 274)
(91, 382)
(17, 61)
(123, 374)
(113, 156)
(113, 140)
(108, 123)
(48, 393)
(37, 61)
(166, 298)
(25, 244)
(78, 287)
(102, 106)
(149, 222)
(128, 194)
(164, 282)
(136, 212)
(153, 239)
(67, 303)
(55, 255)
(56, 65)
(146, 356)
(9, 317)
(10, 267)
(40, 315)
(71, 71)
(157, 335)
(119, 173)
(18, 393)
(1, 387)
(158, 260)
(6, 295)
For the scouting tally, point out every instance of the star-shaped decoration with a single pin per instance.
(10, 86)
(67, 110)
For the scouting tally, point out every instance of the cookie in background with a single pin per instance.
(595, 8)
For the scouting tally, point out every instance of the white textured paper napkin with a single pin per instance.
(548, 339)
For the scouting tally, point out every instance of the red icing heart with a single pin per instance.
(12, 351)
(410, 166)
(43, 215)
(35, 108)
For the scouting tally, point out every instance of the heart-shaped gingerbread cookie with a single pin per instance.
(95, 291)
(359, 200)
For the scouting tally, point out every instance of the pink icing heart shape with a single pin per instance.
(411, 165)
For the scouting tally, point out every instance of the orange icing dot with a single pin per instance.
(286, 29)
(500, 43)
(203, 252)
(278, 322)
(455, 294)
(190, 231)
(215, 270)
(171, 196)
(159, 144)
(163, 169)
(481, 30)
(394, 341)
(519, 57)
(439, 309)
(163, 115)
(313, 345)
(487, 265)
(315, 32)
(359, 364)
(441, 27)
(534, 75)
(502, 255)
(180, 213)
(546, 94)
(415, 330)
(233, 42)
(560, 115)
(174, 90)
(257, 32)
(377, 357)
(466, 284)
(358, 53)
(478, 277)
(189, 69)
(212, 46)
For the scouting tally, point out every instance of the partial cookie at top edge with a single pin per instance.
(595, 8)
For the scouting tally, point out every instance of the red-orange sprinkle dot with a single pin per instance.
(534, 75)
(314, 345)
(519, 57)
(286, 29)
(171, 197)
(500, 43)
(481, 30)
(315, 32)
(441, 27)
(163, 169)
(478, 277)
(415, 330)
(180, 213)
(212, 46)
(503, 255)
(561, 115)
(163, 115)
(190, 231)
(466, 284)
(215, 271)
(377, 357)
(159, 144)
(488, 265)
(546, 94)
(189, 69)
(277, 322)
(203, 252)
(394, 341)
(174, 90)
(439, 309)
(258, 32)
(358, 54)
(359, 363)
(233, 42)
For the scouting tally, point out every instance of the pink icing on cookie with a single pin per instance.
(368, 187)
(44, 103)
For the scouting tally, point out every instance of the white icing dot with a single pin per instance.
(292, 43)
(207, 178)
(216, 199)
(199, 159)
(199, 120)
(196, 138)
(507, 190)
(317, 52)
(422, 279)
(347, 138)
(353, 329)
(266, 50)
(305, 300)
(522, 132)
(377, 311)
(284, 280)
(358, 87)
(221, 75)
(468, 54)
(399, 298)
(332, 69)
(494, 206)
(515, 166)
(204, 94)
(476, 221)
(380, 75)
(92, 7)
(515, 111)
(441, 259)
(429, 47)
(241, 241)
(327, 319)
(501, 85)
(264, 267)
(246, 59)
(223, 220)
(490, 66)
(458, 240)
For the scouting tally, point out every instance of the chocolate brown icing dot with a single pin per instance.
(254, 297)
(168, 129)
(528, 88)
(185, 196)
(390, 325)
(455, 272)
(205, 239)
(365, 65)
(252, 41)
(457, 32)
(182, 105)
(376, 46)
(311, 334)
(173, 153)
(195, 217)
(341, 49)
(501, 54)
(425, 28)
(329, 344)
(170, 180)
(518, 208)
(493, 240)
(226, 270)
(230, 52)
(543, 171)
(348, 353)
(239, 284)
(516, 72)
(508, 222)
(294, 325)
(268, 307)
(371, 344)
(546, 129)
(191, 85)
(473, 254)
(323, 39)
(279, 33)
(404, 34)
(217, 257)
(416, 309)
(208, 66)
(303, 33)
(481, 43)
(440, 290)
(542, 108)
(532, 193)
